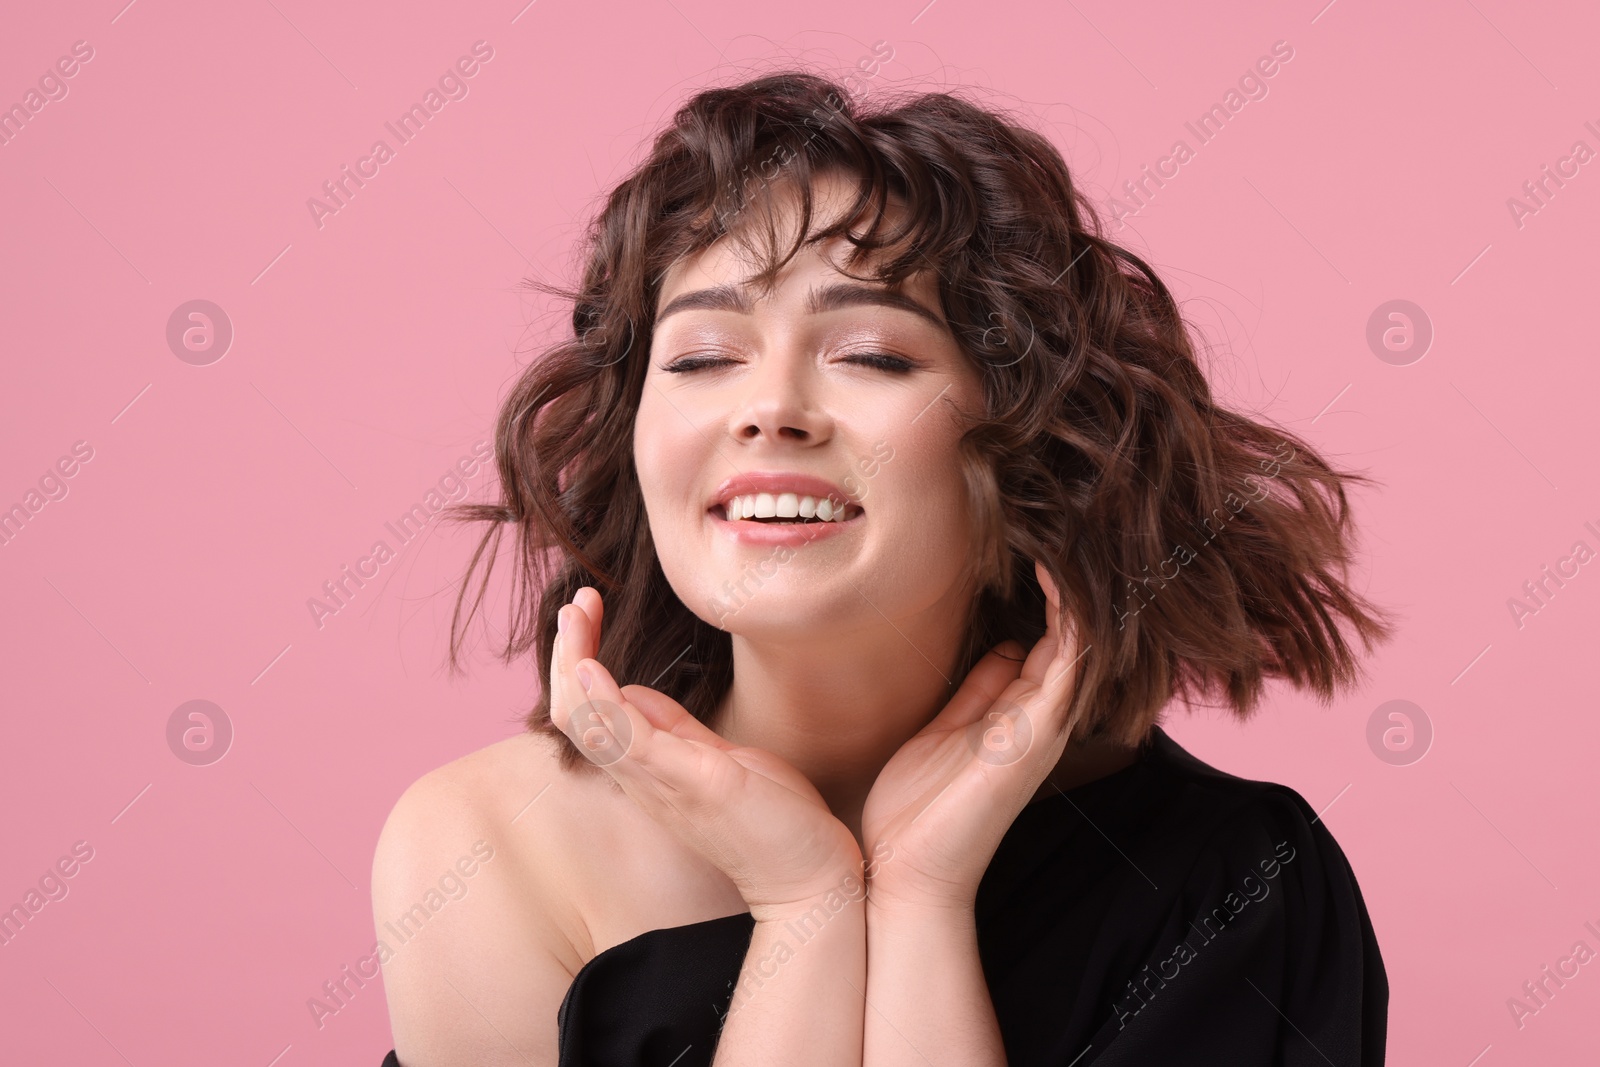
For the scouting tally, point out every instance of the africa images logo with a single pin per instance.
(452, 85)
(1168, 969)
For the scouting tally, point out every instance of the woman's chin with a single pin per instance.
(777, 610)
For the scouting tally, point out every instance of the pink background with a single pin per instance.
(370, 353)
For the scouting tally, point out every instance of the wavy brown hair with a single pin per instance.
(1200, 551)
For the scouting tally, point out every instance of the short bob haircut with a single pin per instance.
(1198, 550)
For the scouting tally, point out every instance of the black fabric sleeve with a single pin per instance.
(1267, 958)
(657, 1000)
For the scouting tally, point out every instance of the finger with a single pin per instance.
(559, 701)
(1056, 643)
(1050, 655)
(598, 716)
(667, 714)
(584, 613)
(989, 677)
(1040, 657)
(653, 765)
(1061, 676)
(577, 636)
(1069, 651)
(588, 598)
(1059, 686)
(607, 730)
(1066, 627)
(1052, 665)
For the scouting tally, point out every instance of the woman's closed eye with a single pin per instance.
(880, 360)
(883, 361)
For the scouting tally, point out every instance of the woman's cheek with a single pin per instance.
(924, 489)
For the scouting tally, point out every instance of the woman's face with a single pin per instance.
(827, 388)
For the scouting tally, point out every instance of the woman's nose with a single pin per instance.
(780, 401)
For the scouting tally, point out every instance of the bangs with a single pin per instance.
(898, 224)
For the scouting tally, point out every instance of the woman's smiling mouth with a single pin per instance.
(775, 507)
(784, 518)
(785, 509)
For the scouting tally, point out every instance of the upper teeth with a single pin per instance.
(783, 506)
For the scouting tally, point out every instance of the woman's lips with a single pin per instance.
(792, 534)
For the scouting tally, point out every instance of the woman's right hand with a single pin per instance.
(748, 812)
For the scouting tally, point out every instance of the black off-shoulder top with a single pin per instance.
(1168, 913)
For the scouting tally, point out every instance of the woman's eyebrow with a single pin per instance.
(853, 294)
(828, 298)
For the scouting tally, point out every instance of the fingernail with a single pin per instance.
(561, 621)
(583, 678)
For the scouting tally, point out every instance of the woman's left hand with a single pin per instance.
(941, 805)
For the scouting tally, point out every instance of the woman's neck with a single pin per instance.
(839, 707)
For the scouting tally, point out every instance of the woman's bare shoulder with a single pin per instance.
(475, 891)
(563, 866)
(511, 799)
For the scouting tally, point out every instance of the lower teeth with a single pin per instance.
(770, 521)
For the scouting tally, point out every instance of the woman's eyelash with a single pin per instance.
(883, 361)
(689, 363)
(880, 360)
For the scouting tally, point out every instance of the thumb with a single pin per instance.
(667, 714)
(989, 678)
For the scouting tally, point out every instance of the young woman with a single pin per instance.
(869, 519)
